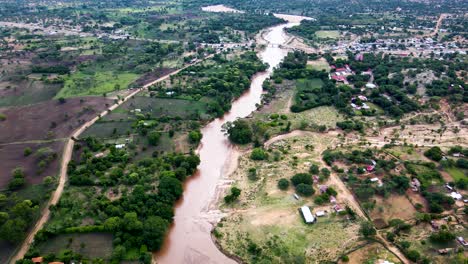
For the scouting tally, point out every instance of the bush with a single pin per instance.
(434, 153)
(258, 154)
(443, 236)
(153, 138)
(305, 189)
(367, 229)
(195, 136)
(240, 132)
(2, 117)
(314, 169)
(235, 192)
(283, 184)
(301, 178)
(413, 255)
(27, 151)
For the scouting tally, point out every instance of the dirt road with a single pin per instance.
(343, 191)
(438, 24)
(66, 157)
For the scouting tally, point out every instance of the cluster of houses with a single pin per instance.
(419, 44)
(309, 218)
(340, 74)
(359, 102)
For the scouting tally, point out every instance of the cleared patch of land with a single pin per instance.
(268, 219)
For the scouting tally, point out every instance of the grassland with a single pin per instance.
(99, 83)
(93, 245)
(268, 218)
(457, 173)
(328, 34)
(371, 253)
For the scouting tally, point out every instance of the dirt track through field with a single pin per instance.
(343, 191)
(66, 157)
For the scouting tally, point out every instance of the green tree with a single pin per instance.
(367, 229)
(305, 189)
(301, 178)
(434, 153)
(283, 184)
(239, 132)
(27, 151)
(13, 230)
(153, 138)
(195, 136)
(154, 231)
(258, 154)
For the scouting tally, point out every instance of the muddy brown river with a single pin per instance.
(189, 239)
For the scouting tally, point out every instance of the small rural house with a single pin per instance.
(308, 217)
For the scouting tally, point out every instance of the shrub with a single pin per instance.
(235, 192)
(2, 117)
(434, 153)
(304, 189)
(195, 136)
(27, 151)
(301, 178)
(240, 132)
(153, 138)
(442, 236)
(258, 154)
(367, 229)
(283, 184)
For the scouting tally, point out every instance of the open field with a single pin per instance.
(393, 207)
(371, 253)
(269, 218)
(82, 84)
(319, 65)
(93, 245)
(457, 173)
(328, 34)
(12, 156)
(27, 92)
(48, 120)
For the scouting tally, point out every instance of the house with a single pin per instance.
(415, 184)
(450, 188)
(316, 179)
(308, 217)
(462, 241)
(456, 195)
(434, 225)
(444, 251)
(320, 213)
(375, 179)
(370, 168)
(332, 199)
(37, 260)
(119, 146)
(338, 208)
(296, 196)
(323, 188)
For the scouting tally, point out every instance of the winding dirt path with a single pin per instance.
(343, 191)
(66, 157)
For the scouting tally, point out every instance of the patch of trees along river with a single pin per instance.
(189, 239)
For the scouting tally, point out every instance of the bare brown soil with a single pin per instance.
(12, 156)
(151, 76)
(35, 122)
(373, 251)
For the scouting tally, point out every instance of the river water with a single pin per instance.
(189, 239)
